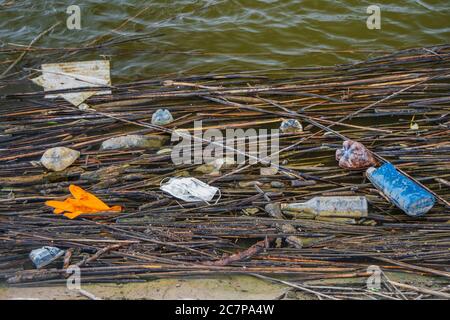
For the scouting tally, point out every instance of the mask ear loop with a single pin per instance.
(161, 182)
(217, 201)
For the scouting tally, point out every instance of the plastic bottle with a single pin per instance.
(348, 207)
(402, 191)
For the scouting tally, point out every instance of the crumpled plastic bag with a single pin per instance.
(190, 189)
(291, 126)
(133, 141)
(82, 203)
(45, 255)
(354, 156)
(162, 117)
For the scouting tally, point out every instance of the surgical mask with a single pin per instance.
(190, 189)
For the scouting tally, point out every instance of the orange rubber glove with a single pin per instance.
(82, 203)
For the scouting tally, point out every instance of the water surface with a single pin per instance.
(212, 35)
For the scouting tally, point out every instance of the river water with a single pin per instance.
(215, 36)
(212, 35)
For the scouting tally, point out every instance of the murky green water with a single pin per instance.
(198, 36)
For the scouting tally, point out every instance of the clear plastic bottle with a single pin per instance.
(337, 206)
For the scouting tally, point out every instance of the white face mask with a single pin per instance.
(189, 189)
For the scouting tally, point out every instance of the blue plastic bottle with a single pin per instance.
(403, 192)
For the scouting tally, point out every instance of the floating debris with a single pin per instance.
(251, 184)
(82, 203)
(162, 117)
(277, 184)
(180, 237)
(207, 169)
(302, 183)
(274, 210)
(84, 107)
(250, 211)
(72, 75)
(293, 240)
(220, 163)
(354, 156)
(189, 189)
(133, 141)
(291, 126)
(338, 206)
(413, 125)
(213, 167)
(44, 256)
(403, 192)
(59, 158)
(164, 151)
(268, 171)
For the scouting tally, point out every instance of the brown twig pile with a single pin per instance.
(373, 102)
